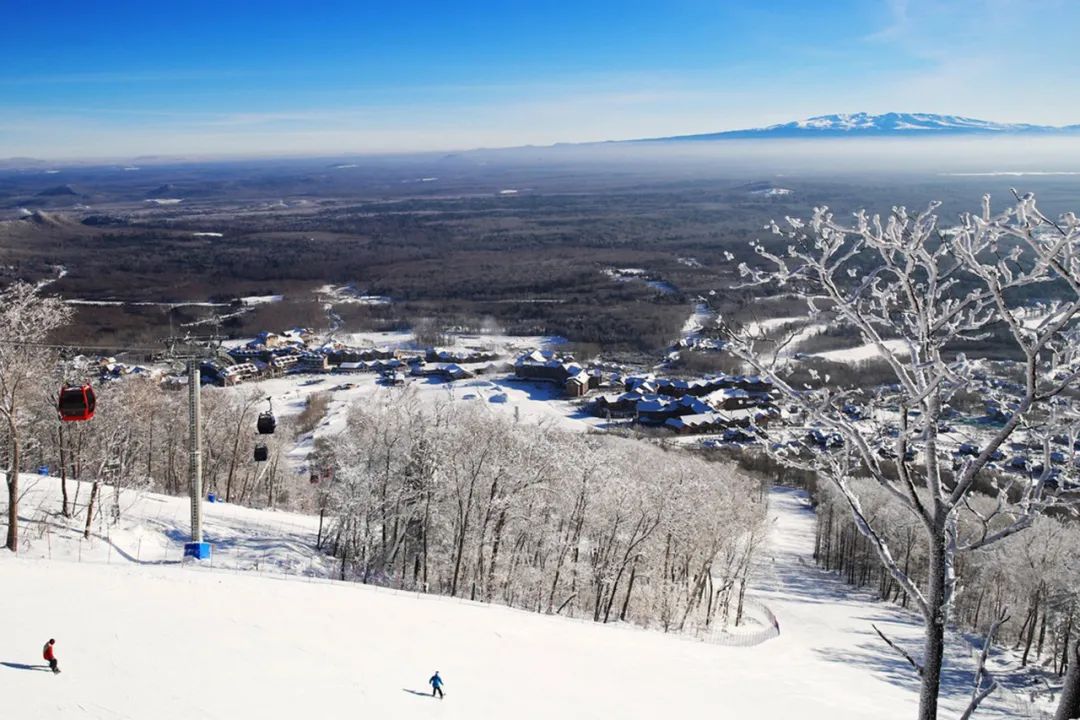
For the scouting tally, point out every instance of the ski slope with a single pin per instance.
(155, 639)
(152, 529)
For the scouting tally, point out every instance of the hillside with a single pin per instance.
(140, 636)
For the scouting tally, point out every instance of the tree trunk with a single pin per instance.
(424, 543)
(232, 460)
(1069, 704)
(629, 589)
(13, 494)
(90, 508)
(460, 550)
(500, 523)
(1065, 643)
(1042, 637)
(319, 538)
(65, 507)
(934, 644)
(978, 609)
(464, 510)
(344, 558)
(1031, 631)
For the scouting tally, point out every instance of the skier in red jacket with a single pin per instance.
(48, 654)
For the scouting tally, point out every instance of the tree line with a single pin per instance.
(457, 501)
(137, 438)
(1030, 576)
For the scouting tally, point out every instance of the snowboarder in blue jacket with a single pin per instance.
(436, 685)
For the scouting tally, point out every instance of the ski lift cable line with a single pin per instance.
(53, 346)
(167, 347)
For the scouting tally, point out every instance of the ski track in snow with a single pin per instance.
(699, 318)
(826, 633)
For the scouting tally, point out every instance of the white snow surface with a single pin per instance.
(899, 121)
(699, 318)
(157, 639)
(351, 294)
(757, 327)
(528, 402)
(261, 299)
(153, 528)
(863, 353)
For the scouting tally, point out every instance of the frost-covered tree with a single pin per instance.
(113, 447)
(459, 501)
(923, 296)
(26, 319)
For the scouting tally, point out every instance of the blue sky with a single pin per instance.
(121, 78)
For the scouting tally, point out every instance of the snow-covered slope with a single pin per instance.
(161, 640)
(152, 528)
(884, 125)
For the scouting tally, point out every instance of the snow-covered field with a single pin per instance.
(161, 640)
(351, 294)
(152, 529)
(529, 402)
(699, 318)
(764, 325)
(800, 329)
(261, 299)
(862, 353)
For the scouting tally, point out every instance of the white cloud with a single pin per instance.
(897, 23)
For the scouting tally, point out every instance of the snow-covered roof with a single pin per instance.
(698, 420)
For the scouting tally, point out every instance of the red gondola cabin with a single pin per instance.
(76, 403)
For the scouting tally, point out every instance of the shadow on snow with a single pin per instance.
(24, 666)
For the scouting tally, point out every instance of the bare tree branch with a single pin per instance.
(901, 651)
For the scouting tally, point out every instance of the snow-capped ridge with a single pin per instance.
(893, 124)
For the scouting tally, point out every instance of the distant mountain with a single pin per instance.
(21, 163)
(161, 191)
(886, 125)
